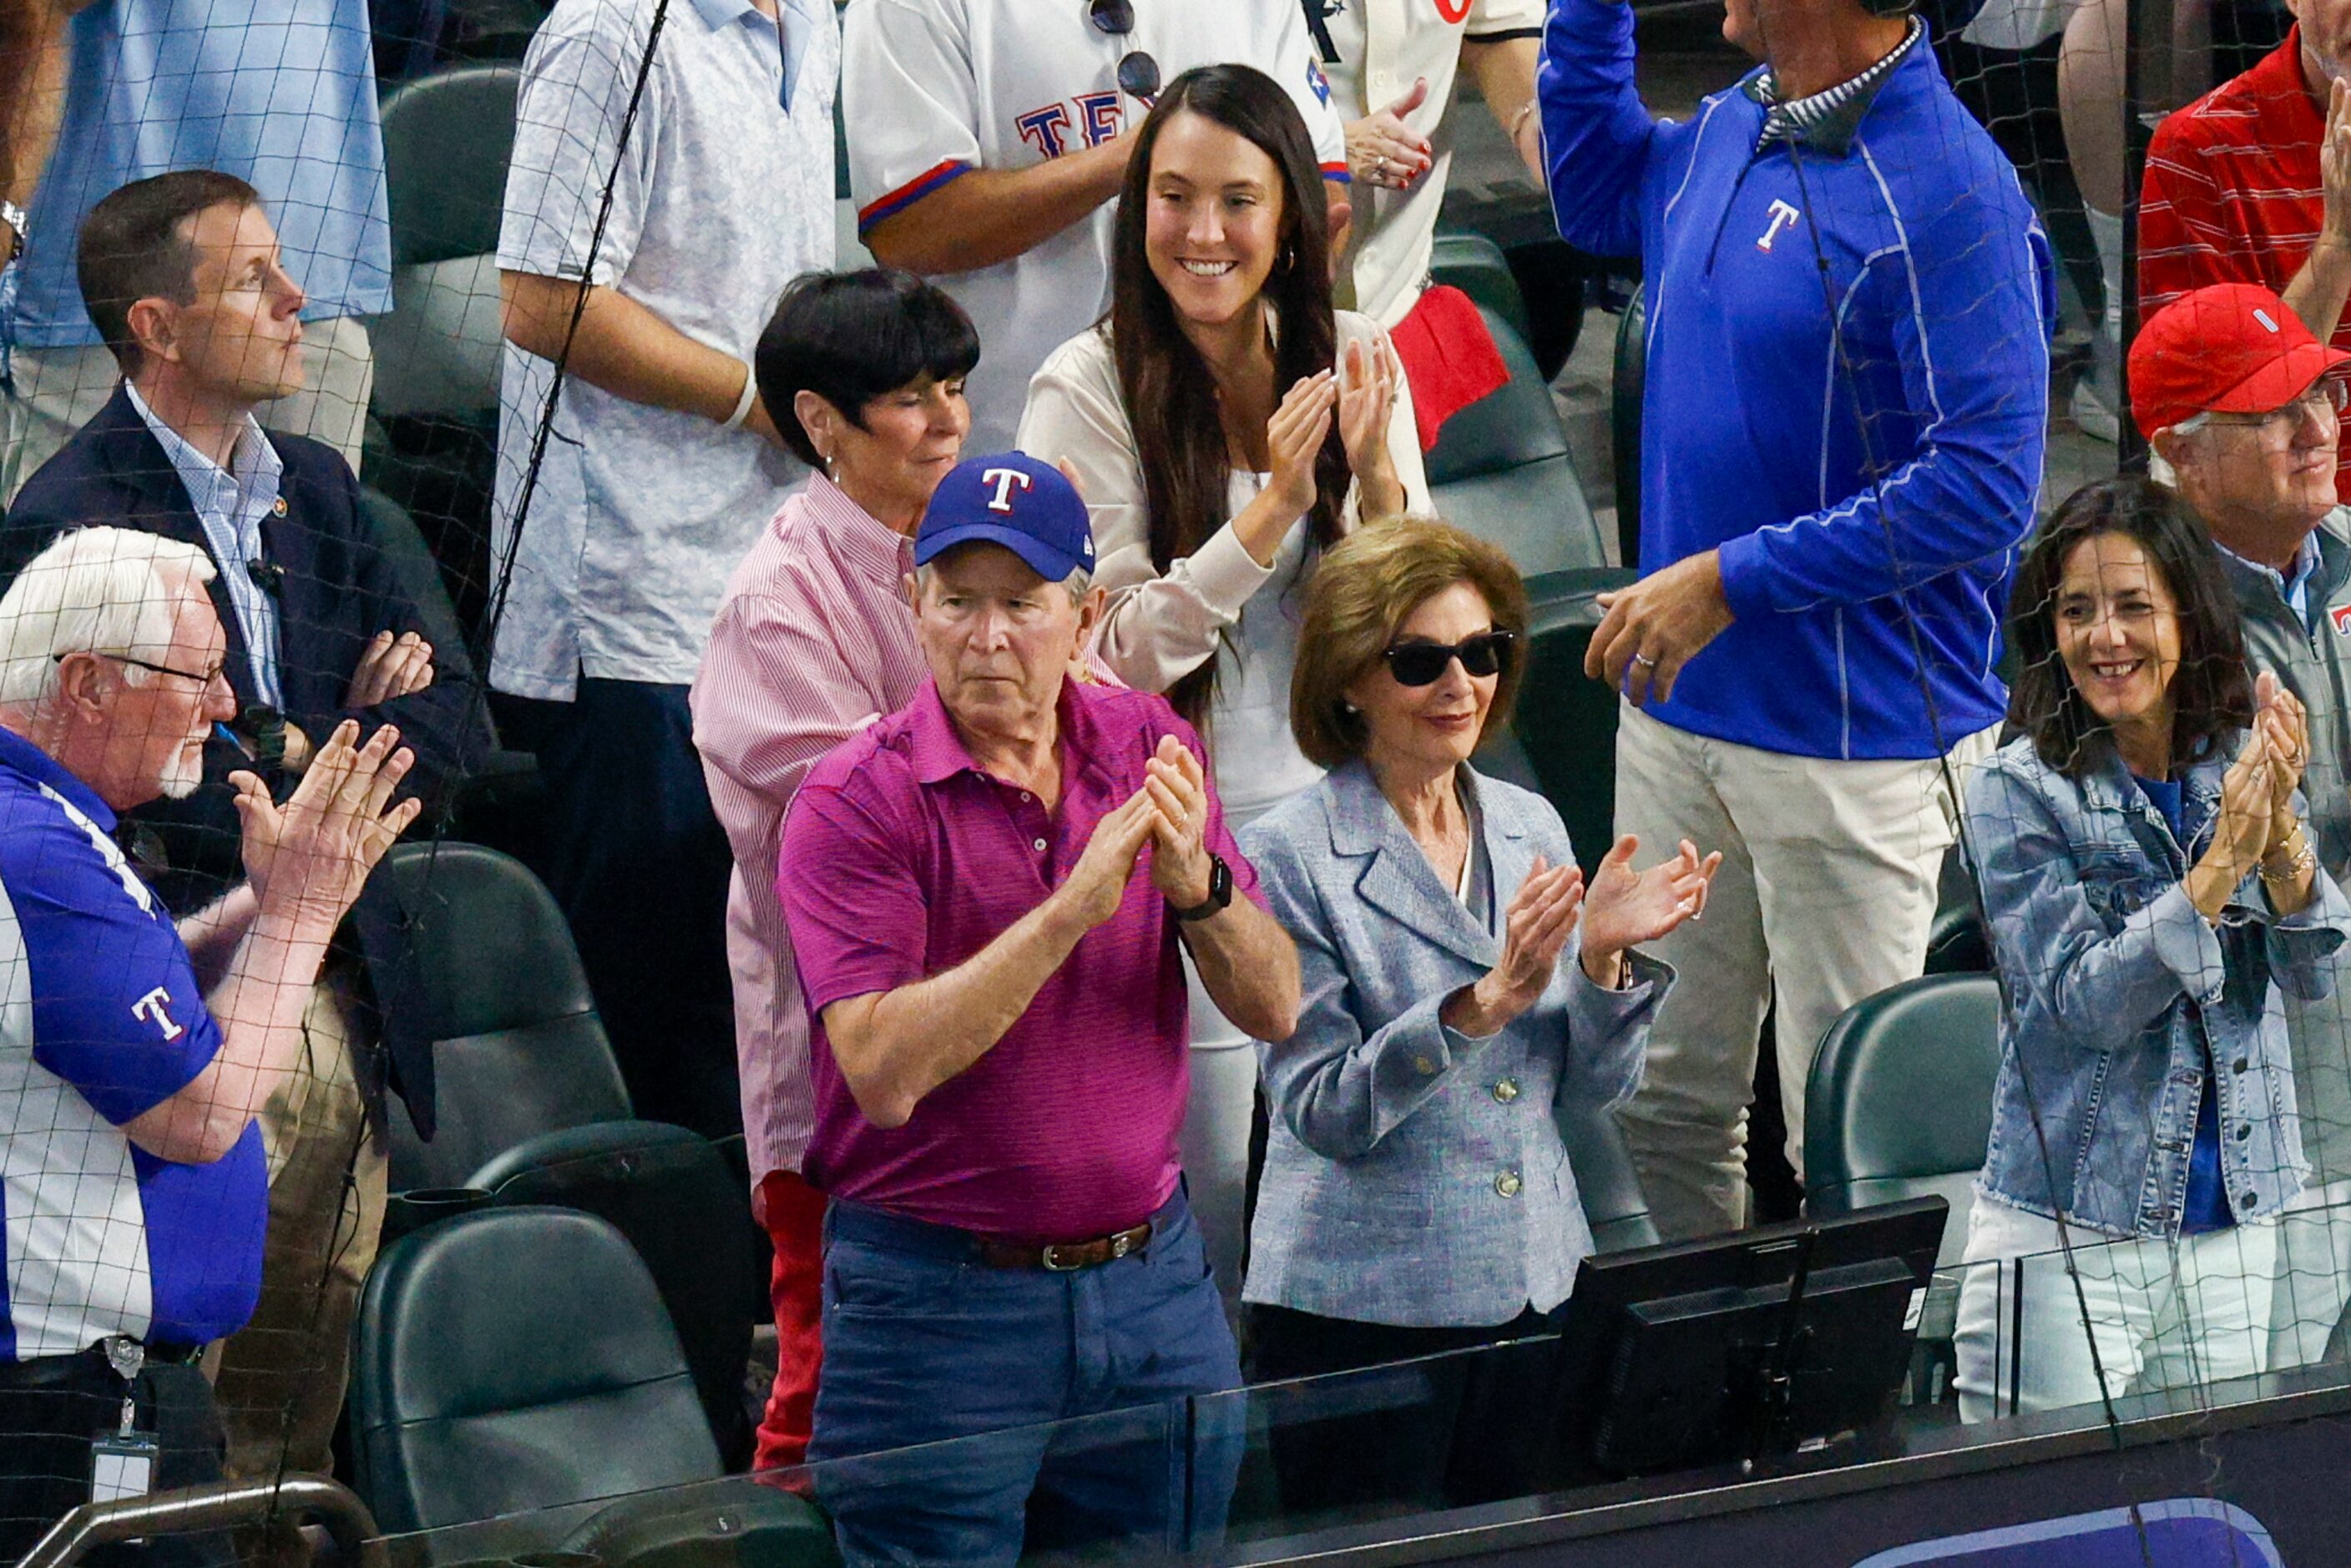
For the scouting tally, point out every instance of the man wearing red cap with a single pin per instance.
(2234, 392)
(2251, 182)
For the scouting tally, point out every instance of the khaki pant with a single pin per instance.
(58, 391)
(1826, 896)
(280, 1378)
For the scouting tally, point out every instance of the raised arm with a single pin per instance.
(309, 860)
(2067, 976)
(1596, 135)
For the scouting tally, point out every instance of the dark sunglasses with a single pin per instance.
(1424, 664)
(1138, 73)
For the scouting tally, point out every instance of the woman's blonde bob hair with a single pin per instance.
(1367, 586)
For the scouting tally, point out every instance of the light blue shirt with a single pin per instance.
(230, 503)
(2295, 590)
(640, 514)
(280, 93)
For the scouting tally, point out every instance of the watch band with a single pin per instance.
(13, 216)
(1220, 892)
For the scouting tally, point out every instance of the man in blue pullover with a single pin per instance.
(1847, 349)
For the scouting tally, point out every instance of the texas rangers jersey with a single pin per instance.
(101, 1020)
(932, 89)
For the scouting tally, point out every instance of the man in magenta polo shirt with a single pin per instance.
(986, 892)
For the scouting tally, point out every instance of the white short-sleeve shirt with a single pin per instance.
(934, 88)
(724, 194)
(1382, 44)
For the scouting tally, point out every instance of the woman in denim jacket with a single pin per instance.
(2150, 889)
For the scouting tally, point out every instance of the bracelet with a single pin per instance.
(743, 405)
(2304, 859)
(1518, 120)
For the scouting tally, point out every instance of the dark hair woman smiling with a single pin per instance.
(2150, 891)
(1225, 424)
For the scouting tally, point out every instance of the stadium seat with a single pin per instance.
(1901, 1099)
(1502, 470)
(1899, 1105)
(734, 1523)
(446, 139)
(1566, 722)
(1631, 373)
(682, 1207)
(1476, 266)
(1956, 943)
(434, 407)
(519, 1050)
(517, 1359)
(1613, 1204)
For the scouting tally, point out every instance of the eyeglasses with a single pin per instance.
(1424, 664)
(2327, 399)
(202, 679)
(1138, 73)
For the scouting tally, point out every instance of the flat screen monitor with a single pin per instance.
(1738, 1347)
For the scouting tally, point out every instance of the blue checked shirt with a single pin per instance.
(230, 503)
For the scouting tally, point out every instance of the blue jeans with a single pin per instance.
(1069, 1394)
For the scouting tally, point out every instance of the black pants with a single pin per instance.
(51, 1409)
(1435, 1435)
(637, 860)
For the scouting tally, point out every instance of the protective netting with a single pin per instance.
(1935, 366)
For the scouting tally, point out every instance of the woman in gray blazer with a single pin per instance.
(1458, 979)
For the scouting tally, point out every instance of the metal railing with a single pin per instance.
(223, 1505)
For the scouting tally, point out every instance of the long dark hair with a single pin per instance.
(2211, 696)
(1171, 396)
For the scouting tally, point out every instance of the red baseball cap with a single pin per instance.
(2229, 348)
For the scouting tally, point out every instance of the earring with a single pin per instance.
(1289, 259)
(1350, 709)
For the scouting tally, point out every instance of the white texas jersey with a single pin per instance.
(931, 89)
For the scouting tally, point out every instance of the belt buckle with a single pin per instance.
(1050, 1257)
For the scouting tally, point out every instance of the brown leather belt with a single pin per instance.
(1064, 1256)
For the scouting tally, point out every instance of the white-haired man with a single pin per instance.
(2246, 402)
(133, 1054)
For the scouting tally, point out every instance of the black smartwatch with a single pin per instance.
(1220, 892)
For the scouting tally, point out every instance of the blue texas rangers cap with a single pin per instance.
(1014, 500)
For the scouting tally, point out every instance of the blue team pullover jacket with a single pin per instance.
(1857, 491)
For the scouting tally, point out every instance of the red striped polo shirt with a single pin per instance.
(2233, 191)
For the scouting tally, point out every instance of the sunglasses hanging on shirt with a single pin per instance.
(1138, 73)
(267, 575)
(1317, 16)
(1424, 664)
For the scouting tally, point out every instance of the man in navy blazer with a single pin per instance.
(180, 273)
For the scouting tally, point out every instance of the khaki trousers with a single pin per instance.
(58, 391)
(1826, 895)
(280, 1378)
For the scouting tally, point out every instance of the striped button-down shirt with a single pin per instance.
(230, 503)
(1826, 119)
(813, 642)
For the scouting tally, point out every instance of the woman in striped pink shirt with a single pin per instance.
(813, 642)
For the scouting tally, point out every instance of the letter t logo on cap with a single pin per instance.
(1004, 479)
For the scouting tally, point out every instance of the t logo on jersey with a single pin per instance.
(1782, 214)
(1100, 118)
(150, 1008)
(1004, 479)
(2341, 616)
